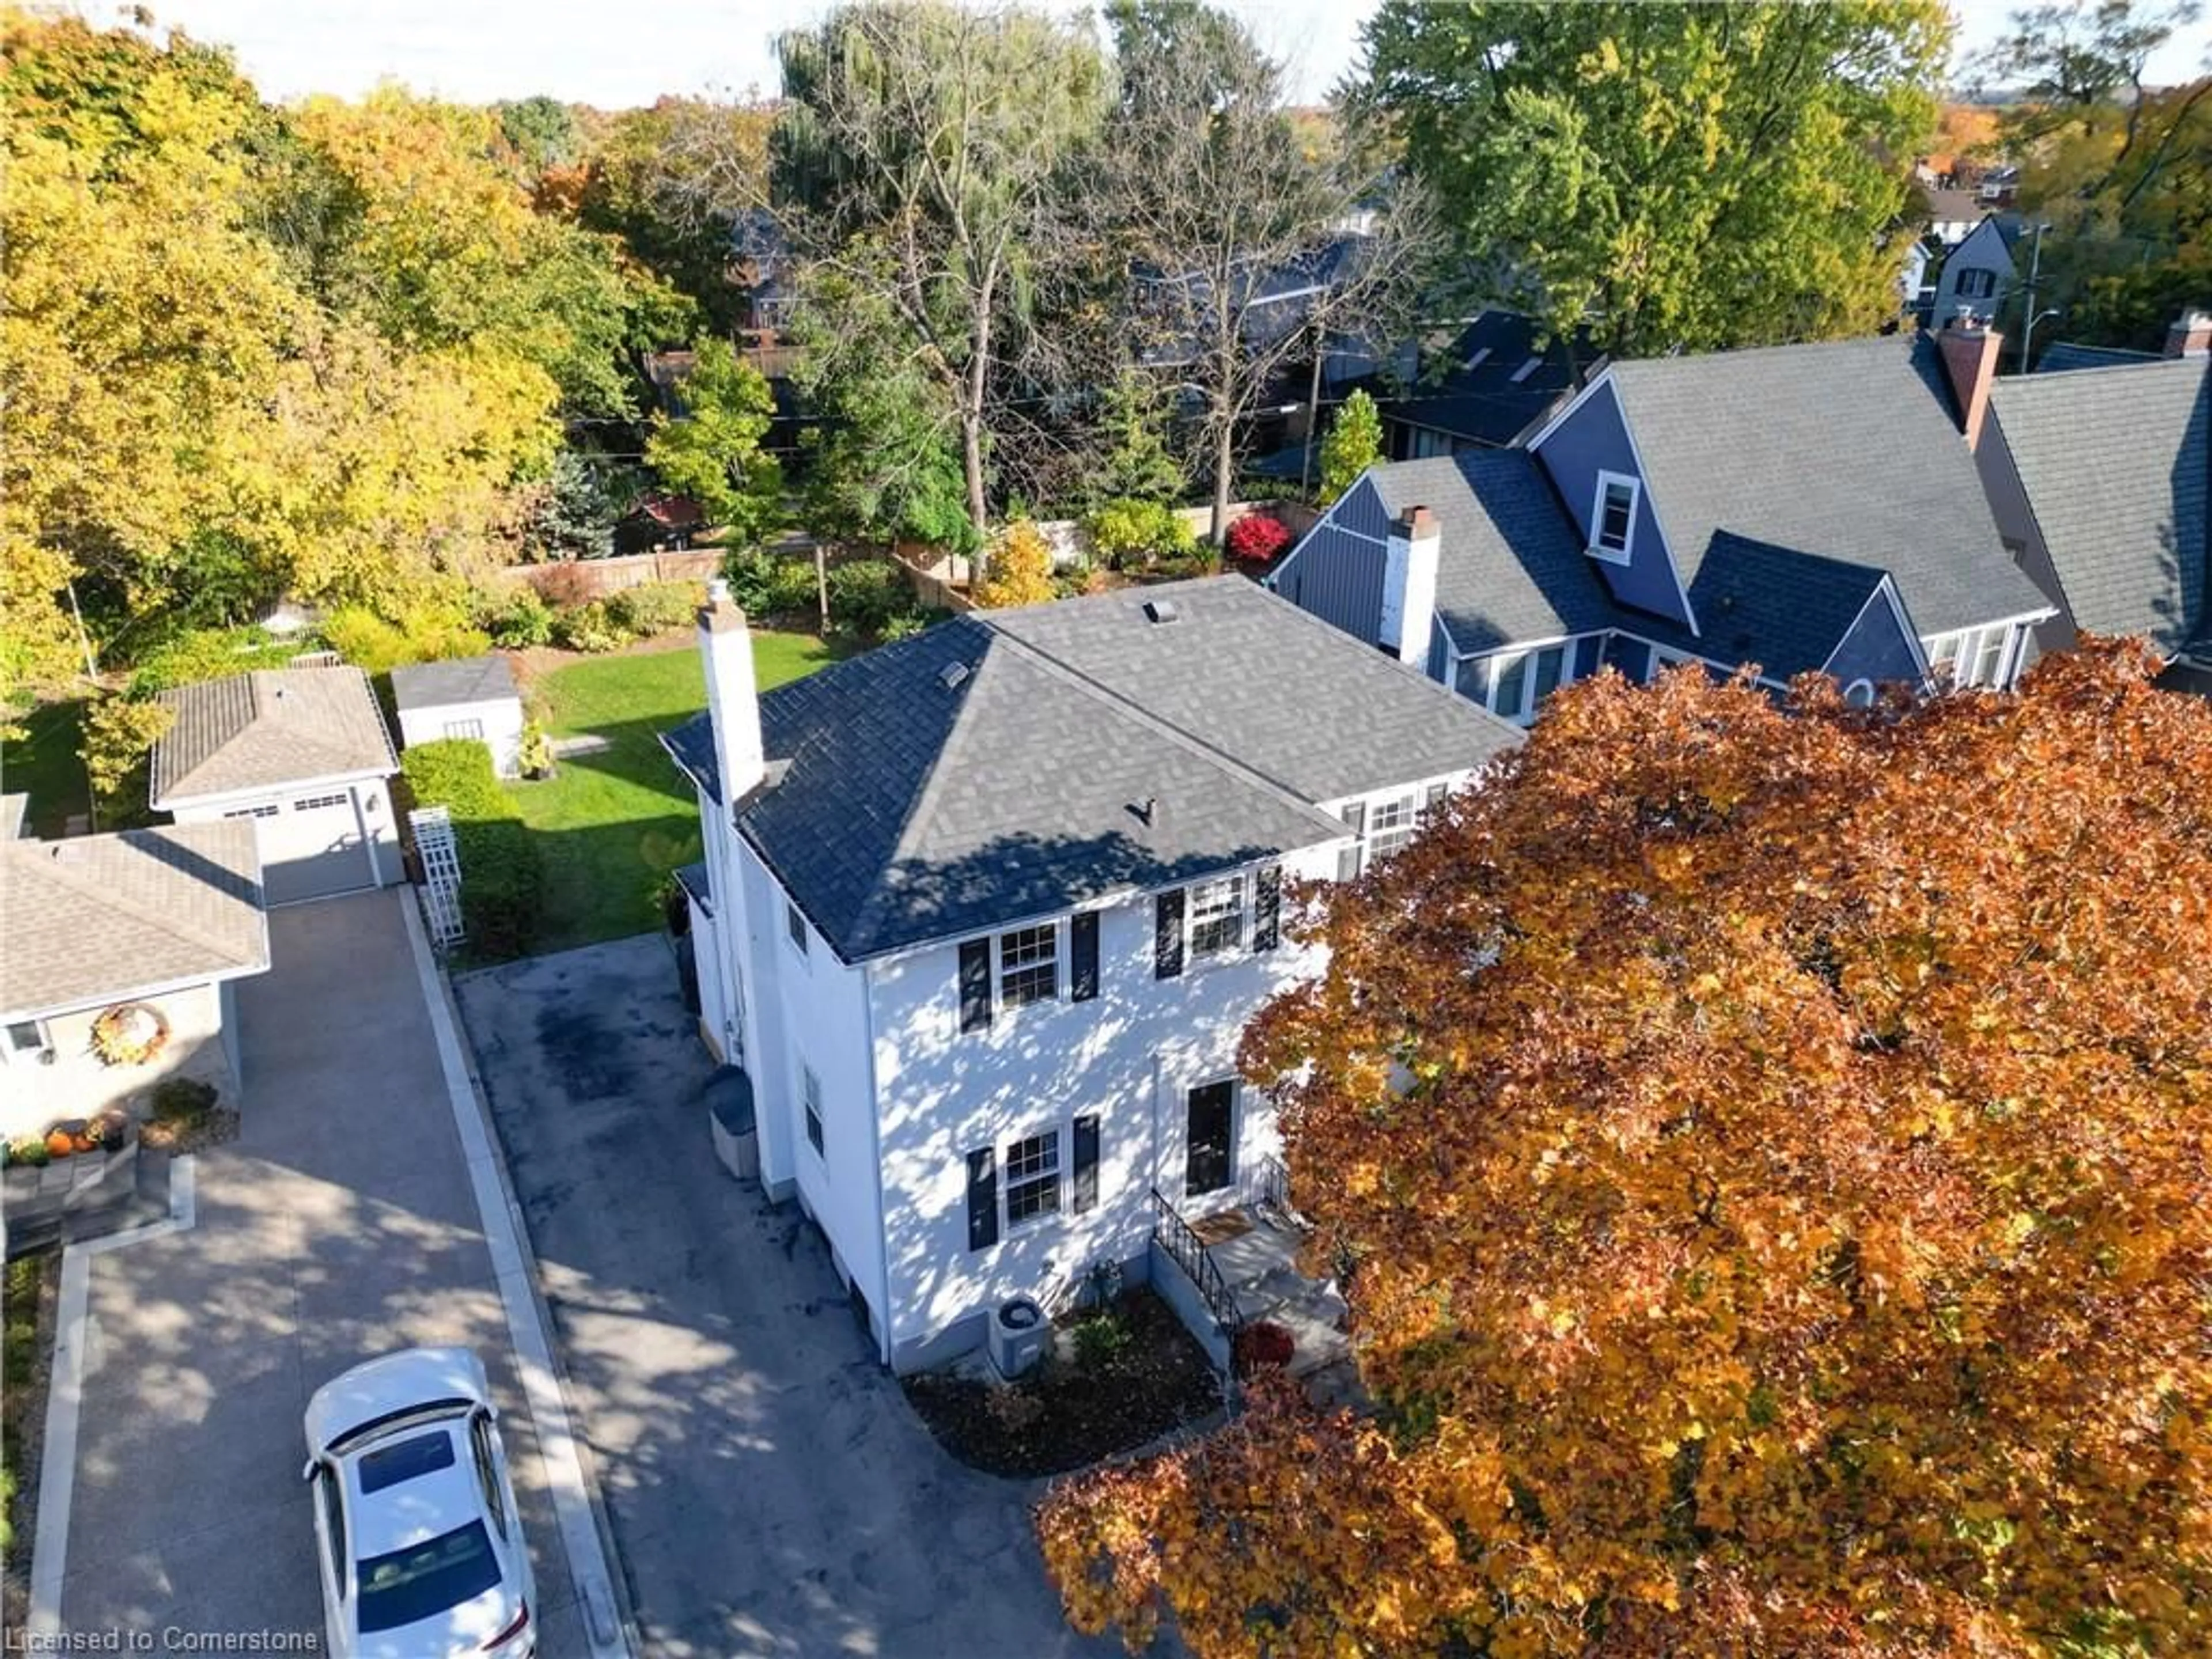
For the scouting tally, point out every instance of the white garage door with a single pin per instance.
(310, 846)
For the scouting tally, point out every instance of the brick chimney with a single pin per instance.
(1969, 360)
(2190, 335)
(1409, 587)
(725, 651)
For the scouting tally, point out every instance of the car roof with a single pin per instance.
(419, 1507)
(395, 1383)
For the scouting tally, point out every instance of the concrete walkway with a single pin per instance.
(339, 1226)
(771, 1490)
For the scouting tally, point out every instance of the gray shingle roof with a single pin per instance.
(467, 679)
(2063, 356)
(1783, 611)
(1845, 451)
(914, 809)
(1509, 566)
(102, 918)
(2117, 463)
(268, 729)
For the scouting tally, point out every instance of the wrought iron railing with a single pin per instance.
(1174, 1234)
(1271, 1189)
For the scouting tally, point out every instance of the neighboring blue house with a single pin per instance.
(1978, 274)
(1799, 507)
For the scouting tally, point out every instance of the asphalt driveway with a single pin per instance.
(341, 1224)
(770, 1492)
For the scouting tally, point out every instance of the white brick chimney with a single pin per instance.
(725, 650)
(1409, 587)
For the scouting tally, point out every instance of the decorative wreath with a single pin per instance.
(129, 1034)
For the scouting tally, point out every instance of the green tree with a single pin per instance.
(1694, 176)
(541, 131)
(931, 136)
(1353, 444)
(574, 512)
(713, 453)
(1138, 465)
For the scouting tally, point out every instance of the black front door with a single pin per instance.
(1205, 1159)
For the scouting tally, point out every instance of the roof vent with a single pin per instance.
(953, 676)
(1161, 611)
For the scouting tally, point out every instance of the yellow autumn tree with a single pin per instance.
(1020, 568)
(1772, 1151)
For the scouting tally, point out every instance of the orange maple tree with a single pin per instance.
(1769, 1150)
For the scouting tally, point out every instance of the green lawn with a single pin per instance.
(611, 825)
(43, 762)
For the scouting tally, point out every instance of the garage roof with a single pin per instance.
(102, 918)
(441, 684)
(270, 729)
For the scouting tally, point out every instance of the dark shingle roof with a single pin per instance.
(267, 729)
(1509, 566)
(1785, 611)
(992, 766)
(1484, 404)
(1845, 451)
(102, 918)
(2117, 463)
(467, 679)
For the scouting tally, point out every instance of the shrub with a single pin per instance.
(119, 739)
(428, 632)
(765, 586)
(1100, 1339)
(1255, 539)
(1353, 444)
(589, 626)
(208, 653)
(516, 618)
(1132, 534)
(1264, 1345)
(1020, 568)
(865, 594)
(907, 624)
(183, 1099)
(29, 1151)
(500, 872)
(1197, 559)
(535, 755)
(656, 607)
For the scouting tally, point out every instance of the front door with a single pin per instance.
(1206, 1154)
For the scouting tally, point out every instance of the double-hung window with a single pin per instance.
(465, 729)
(810, 1094)
(1217, 917)
(1033, 1177)
(1613, 516)
(794, 927)
(1029, 965)
(1390, 825)
(1520, 681)
(1975, 656)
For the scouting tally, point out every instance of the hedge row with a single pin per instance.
(500, 874)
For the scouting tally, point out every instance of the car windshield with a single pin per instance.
(426, 1579)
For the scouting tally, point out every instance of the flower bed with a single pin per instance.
(1133, 1374)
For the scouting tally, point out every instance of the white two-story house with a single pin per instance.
(985, 912)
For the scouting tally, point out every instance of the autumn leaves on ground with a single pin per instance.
(1795, 1235)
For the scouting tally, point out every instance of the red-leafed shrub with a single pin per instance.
(1265, 1346)
(1256, 538)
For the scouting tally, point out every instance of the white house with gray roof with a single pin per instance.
(1798, 508)
(303, 754)
(984, 913)
(159, 921)
(472, 698)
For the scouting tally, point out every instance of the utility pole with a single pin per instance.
(1313, 414)
(2034, 275)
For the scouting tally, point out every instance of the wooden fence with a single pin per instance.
(575, 579)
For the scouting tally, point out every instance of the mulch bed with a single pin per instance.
(190, 1134)
(32, 1292)
(1065, 1415)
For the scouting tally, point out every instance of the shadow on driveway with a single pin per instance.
(771, 1490)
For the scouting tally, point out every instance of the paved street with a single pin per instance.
(340, 1224)
(770, 1489)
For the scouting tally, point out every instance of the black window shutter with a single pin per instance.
(982, 1199)
(1267, 908)
(1087, 1163)
(1083, 949)
(1167, 934)
(976, 985)
(1347, 861)
(1437, 794)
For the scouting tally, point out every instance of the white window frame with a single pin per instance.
(1527, 704)
(319, 802)
(810, 1101)
(1598, 548)
(1241, 881)
(1983, 281)
(1370, 850)
(794, 928)
(1859, 694)
(16, 1053)
(1001, 1006)
(469, 730)
(1971, 647)
(1050, 1176)
(264, 810)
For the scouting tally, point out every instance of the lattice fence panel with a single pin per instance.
(433, 828)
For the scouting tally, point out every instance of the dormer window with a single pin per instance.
(1612, 516)
(1482, 356)
(1526, 369)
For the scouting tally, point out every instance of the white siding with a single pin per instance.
(76, 1083)
(499, 718)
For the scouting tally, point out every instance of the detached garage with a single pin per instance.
(474, 698)
(303, 753)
